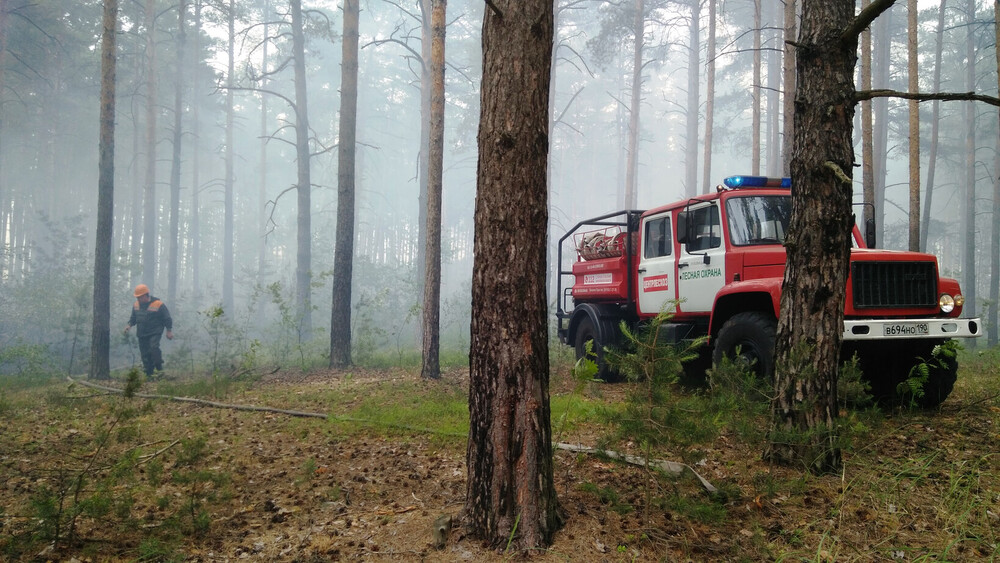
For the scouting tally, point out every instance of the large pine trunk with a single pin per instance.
(343, 259)
(100, 367)
(435, 171)
(511, 495)
(811, 322)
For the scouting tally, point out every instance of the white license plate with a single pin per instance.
(905, 329)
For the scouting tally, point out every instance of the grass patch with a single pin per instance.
(434, 407)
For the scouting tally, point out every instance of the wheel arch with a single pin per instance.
(733, 303)
(604, 318)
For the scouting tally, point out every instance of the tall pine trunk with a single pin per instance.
(343, 260)
(432, 284)
(100, 367)
(510, 494)
(810, 325)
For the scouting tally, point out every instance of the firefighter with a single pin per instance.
(151, 316)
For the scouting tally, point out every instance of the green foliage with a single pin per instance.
(24, 360)
(159, 551)
(201, 485)
(651, 416)
(853, 390)
(912, 388)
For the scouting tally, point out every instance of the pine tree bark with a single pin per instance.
(100, 367)
(810, 324)
(510, 494)
(431, 367)
(343, 259)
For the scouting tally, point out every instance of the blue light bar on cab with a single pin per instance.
(733, 182)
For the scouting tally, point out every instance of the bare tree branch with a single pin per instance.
(863, 95)
(865, 18)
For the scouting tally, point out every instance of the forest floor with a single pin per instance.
(174, 481)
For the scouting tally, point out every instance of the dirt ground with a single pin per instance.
(304, 489)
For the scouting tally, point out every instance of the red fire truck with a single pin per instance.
(716, 262)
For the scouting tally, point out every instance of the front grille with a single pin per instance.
(894, 284)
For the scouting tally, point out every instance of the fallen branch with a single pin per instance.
(204, 402)
(663, 465)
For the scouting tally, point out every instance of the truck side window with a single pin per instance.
(657, 241)
(707, 229)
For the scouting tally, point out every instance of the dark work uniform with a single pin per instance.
(150, 318)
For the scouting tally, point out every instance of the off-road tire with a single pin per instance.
(586, 331)
(753, 333)
(887, 364)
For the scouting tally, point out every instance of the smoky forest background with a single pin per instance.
(228, 190)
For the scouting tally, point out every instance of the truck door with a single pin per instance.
(701, 266)
(656, 264)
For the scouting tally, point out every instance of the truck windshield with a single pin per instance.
(758, 220)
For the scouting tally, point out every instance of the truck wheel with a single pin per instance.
(753, 333)
(941, 378)
(585, 332)
(885, 365)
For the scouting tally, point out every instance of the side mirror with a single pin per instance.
(682, 227)
(870, 233)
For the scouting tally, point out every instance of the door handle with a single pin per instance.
(642, 270)
(683, 265)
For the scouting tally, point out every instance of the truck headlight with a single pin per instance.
(959, 300)
(947, 303)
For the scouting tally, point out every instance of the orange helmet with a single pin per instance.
(140, 290)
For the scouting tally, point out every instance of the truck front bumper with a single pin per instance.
(880, 329)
